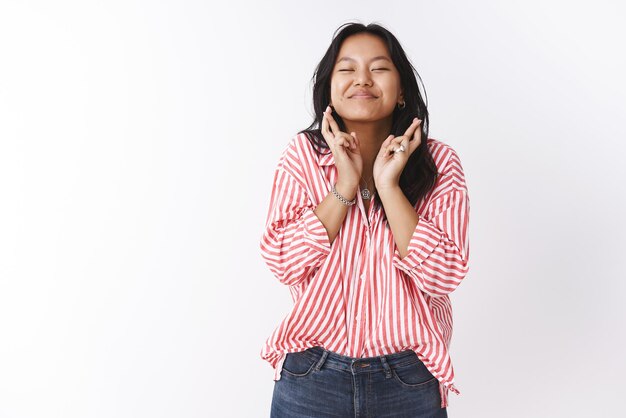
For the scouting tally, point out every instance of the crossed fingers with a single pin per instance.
(398, 144)
(330, 129)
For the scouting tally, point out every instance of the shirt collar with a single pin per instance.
(327, 159)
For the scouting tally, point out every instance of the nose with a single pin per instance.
(362, 77)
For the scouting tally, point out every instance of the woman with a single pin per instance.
(367, 225)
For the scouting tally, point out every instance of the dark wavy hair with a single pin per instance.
(419, 174)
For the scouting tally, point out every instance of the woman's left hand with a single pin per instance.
(388, 165)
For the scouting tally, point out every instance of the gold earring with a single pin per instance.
(402, 105)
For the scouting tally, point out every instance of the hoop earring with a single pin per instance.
(401, 105)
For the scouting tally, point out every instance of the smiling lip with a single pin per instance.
(362, 94)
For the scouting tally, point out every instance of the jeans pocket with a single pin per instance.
(413, 375)
(299, 364)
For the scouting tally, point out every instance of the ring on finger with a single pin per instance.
(400, 149)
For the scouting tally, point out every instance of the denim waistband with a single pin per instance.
(337, 361)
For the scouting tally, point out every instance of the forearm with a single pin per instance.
(332, 212)
(401, 216)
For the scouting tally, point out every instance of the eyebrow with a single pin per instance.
(380, 57)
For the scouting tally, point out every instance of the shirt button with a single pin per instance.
(362, 277)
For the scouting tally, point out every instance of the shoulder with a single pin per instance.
(299, 156)
(300, 143)
(300, 150)
(445, 157)
(450, 175)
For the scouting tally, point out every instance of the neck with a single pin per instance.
(371, 135)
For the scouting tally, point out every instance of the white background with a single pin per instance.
(138, 141)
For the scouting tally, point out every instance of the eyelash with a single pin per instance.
(372, 69)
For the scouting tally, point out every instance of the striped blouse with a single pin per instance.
(357, 296)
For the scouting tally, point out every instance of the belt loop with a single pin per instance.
(319, 364)
(383, 360)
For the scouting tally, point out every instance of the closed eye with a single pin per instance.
(373, 69)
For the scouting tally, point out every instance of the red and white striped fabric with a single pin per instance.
(356, 296)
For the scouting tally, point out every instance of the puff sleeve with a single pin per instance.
(438, 252)
(295, 242)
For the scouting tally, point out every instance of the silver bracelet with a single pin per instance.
(343, 199)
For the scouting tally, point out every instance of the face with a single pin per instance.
(365, 84)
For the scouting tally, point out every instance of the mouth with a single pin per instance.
(362, 94)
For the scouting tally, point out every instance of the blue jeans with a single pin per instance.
(320, 383)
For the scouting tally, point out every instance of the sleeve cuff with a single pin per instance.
(425, 239)
(316, 234)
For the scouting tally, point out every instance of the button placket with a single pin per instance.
(360, 317)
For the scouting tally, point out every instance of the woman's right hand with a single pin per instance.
(347, 153)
